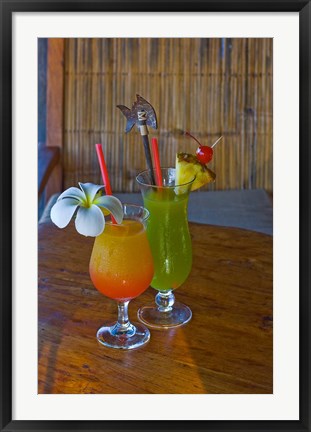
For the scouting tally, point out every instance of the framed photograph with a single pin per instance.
(235, 74)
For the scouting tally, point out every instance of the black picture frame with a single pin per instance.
(7, 8)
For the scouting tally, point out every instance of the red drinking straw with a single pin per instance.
(156, 159)
(104, 172)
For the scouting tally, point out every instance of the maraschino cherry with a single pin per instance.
(204, 153)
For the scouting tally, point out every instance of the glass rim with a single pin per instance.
(162, 187)
(142, 218)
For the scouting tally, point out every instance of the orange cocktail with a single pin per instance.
(121, 265)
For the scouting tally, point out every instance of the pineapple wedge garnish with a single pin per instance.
(188, 167)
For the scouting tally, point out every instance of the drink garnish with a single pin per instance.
(189, 167)
(204, 153)
(86, 203)
(142, 114)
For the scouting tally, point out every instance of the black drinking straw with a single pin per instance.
(142, 114)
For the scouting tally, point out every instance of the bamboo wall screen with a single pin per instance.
(210, 87)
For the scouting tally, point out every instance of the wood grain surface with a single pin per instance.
(225, 348)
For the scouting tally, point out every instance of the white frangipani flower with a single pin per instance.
(90, 220)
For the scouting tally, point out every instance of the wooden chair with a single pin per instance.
(48, 159)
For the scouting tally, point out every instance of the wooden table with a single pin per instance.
(225, 348)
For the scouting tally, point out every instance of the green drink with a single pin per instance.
(170, 241)
(169, 238)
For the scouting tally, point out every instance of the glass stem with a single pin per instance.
(123, 327)
(123, 317)
(165, 300)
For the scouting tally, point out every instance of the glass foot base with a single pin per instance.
(135, 336)
(150, 315)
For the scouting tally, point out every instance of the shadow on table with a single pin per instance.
(230, 293)
(49, 341)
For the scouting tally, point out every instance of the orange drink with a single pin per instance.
(121, 265)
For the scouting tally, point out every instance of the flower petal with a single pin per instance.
(63, 210)
(90, 190)
(112, 204)
(90, 221)
(73, 192)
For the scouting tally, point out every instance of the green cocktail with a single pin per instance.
(169, 238)
(170, 242)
